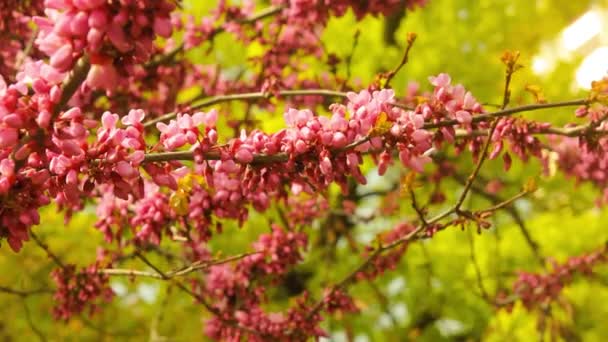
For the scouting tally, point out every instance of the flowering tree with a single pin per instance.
(124, 109)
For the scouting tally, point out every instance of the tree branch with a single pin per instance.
(282, 157)
(199, 265)
(511, 111)
(413, 235)
(71, 85)
(24, 293)
(48, 251)
(197, 297)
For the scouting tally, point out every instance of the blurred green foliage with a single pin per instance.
(433, 295)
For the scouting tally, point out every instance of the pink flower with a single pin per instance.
(8, 137)
(102, 76)
(441, 80)
(463, 117)
(62, 59)
(243, 155)
(208, 119)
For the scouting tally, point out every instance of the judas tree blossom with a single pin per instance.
(108, 111)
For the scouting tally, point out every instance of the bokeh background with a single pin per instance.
(433, 294)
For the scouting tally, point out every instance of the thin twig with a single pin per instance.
(30, 322)
(384, 303)
(416, 208)
(349, 58)
(413, 235)
(411, 38)
(512, 66)
(25, 293)
(28, 49)
(199, 265)
(197, 297)
(48, 251)
(482, 288)
(513, 212)
(248, 96)
(511, 111)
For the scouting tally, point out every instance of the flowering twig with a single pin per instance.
(511, 111)
(512, 66)
(282, 157)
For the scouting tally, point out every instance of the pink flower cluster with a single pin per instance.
(238, 291)
(25, 114)
(319, 11)
(79, 289)
(305, 209)
(152, 214)
(338, 300)
(42, 156)
(387, 261)
(535, 289)
(111, 212)
(449, 102)
(519, 134)
(184, 130)
(15, 33)
(119, 152)
(113, 33)
(44, 151)
(238, 179)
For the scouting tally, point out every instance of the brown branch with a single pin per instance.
(511, 111)
(513, 212)
(197, 297)
(24, 293)
(248, 96)
(71, 85)
(411, 38)
(482, 288)
(199, 265)
(413, 235)
(257, 159)
(30, 322)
